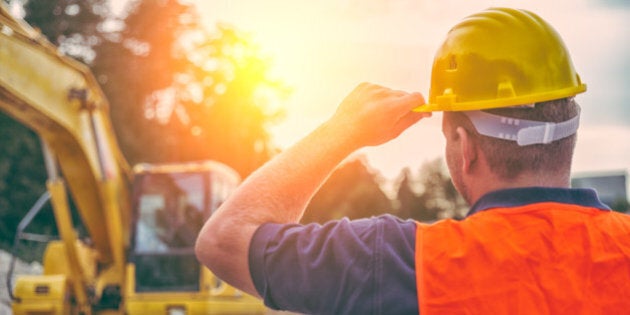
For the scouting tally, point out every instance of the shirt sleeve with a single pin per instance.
(342, 267)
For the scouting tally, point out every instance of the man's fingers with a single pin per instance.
(410, 119)
(406, 102)
(377, 114)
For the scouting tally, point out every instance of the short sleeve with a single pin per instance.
(361, 266)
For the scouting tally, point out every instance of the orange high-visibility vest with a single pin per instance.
(543, 258)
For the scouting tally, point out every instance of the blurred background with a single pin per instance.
(239, 81)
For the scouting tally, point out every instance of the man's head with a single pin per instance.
(506, 82)
(508, 162)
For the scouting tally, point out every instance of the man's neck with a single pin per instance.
(485, 184)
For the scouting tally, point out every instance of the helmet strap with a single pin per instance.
(524, 132)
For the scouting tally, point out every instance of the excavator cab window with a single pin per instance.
(170, 209)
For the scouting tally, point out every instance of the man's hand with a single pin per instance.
(280, 190)
(374, 114)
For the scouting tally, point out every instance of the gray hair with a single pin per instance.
(509, 160)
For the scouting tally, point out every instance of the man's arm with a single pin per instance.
(280, 190)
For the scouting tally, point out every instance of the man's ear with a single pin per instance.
(468, 149)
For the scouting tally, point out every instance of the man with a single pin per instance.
(529, 245)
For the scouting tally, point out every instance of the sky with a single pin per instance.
(323, 49)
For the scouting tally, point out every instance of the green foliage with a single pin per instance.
(352, 191)
(621, 205)
(179, 92)
(430, 196)
(227, 110)
(219, 113)
(134, 63)
(22, 179)
(74, 26)
(176, 91)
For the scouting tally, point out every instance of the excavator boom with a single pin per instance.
(141, 222)
(61, 101)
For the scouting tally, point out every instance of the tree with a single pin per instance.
(621, 205)
(135, 62)
(209, 95)
(230, 122)
(407, 198)
(436, 198)
(74, 26)
(351, 191)
(22, 178)
(177, 92)
(149, 63)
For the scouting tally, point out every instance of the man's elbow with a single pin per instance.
(222, 246)
(205, 244)
(217, 243)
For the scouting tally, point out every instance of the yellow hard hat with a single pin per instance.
(499, 58)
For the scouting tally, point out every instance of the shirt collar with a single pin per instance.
(515, 197)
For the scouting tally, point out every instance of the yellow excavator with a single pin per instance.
(141, 221)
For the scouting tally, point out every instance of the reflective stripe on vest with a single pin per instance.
(544, 258)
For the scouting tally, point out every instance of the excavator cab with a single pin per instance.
(170, 204)
(137, 256)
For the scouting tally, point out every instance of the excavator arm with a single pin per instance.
(139, 260)
(61, 101)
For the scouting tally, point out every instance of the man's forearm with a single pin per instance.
(281, 189)
(277, 192)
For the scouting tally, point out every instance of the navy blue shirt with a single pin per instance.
(364, 266)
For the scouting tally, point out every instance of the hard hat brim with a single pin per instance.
(451, 104)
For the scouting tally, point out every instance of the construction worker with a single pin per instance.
(529, 245)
